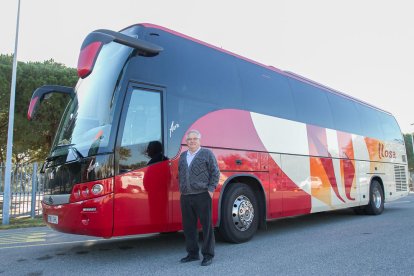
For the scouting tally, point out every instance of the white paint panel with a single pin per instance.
(297, 168)
(319, 206)
(281, 135)
(389, 180)
(363, 179)
(277, 159)
(360, 148)
(398, 149)
(332, 139)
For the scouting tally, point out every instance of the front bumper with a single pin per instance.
(93, 217)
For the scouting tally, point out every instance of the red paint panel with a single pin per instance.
(285, 197)
(348, 169)
(74, 220)
(276, 179)
(142, 200)
(237, 160)
(175, 212)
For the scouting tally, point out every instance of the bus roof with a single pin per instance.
(272, 68)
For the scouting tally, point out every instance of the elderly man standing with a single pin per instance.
(198, 175)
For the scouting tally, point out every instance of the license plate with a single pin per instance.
(52, 219)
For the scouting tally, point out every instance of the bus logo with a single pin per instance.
(173, 127)
(382, 152)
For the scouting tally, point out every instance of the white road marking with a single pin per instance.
(90, 242)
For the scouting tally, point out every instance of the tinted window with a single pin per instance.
(344, 114)
(311, 104)
(141, 139)
(370, 122)
(209, 76)
(265, 91)
(390, 127)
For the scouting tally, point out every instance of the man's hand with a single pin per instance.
(211, 194)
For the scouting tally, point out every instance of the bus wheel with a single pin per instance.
(376, 199)
(239, 214)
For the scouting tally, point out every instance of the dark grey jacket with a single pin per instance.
(202, 175)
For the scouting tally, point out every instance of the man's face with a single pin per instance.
(193, 142)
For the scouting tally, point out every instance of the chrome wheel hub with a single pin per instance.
(243, 213)
(376, 198)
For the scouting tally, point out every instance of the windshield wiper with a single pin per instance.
(77, 151)
(51, 158)
(69, 146)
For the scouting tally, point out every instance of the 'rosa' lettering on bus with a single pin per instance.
(382, 152)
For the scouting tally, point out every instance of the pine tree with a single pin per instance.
(32, 140)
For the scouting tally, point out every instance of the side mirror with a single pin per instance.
(43, 93)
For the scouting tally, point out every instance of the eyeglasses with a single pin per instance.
(192, 139)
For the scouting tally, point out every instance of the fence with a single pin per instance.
(26, 194)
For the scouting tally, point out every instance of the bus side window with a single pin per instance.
(390, 128)
(312, 104)
(345, 115)
(371, 122)
(141, 139)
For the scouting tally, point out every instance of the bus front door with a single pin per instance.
(142, 183)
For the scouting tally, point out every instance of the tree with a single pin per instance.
(32, 140)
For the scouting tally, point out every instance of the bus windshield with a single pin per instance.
(87, 122)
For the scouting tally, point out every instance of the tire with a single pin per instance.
(376, 199)
(239, 214)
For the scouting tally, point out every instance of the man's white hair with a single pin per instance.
(196, 132)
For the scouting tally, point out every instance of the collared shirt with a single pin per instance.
(190, 156)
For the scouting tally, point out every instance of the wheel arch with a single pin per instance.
(256, 185)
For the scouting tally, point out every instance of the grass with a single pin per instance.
(23, 222)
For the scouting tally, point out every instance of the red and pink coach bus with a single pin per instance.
(285, 145)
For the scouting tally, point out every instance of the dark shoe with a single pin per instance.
(207, 261)
(189, 259)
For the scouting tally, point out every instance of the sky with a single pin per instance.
(362, 48)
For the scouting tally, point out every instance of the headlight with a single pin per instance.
(97, 189)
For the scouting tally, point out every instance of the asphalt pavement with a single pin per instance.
(330, 243)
